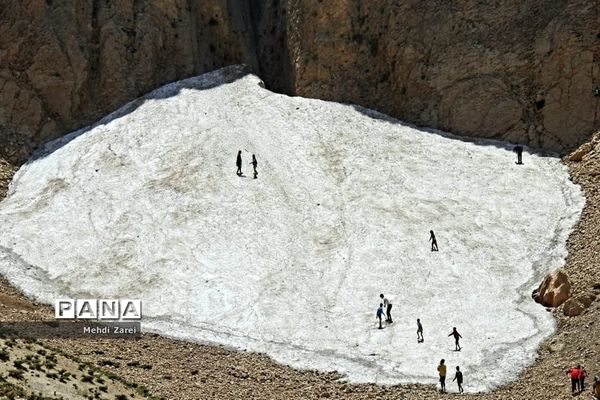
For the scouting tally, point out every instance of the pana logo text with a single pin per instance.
(99, 309)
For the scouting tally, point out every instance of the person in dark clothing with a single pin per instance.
(458, 377)
(388, 308)
(419, 331)
(238, 164)
(582, 376)
(457, 336)
(380, 314)
(254, 164)
(434, 246)
(519, 150)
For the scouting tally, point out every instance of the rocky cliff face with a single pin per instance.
(511, 69)
(517, 70)
(64, 64)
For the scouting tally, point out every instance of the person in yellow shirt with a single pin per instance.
(442, 371)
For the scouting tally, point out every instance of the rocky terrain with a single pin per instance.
(518, 70)
(178, 370)
(34, 371)
(64, 64)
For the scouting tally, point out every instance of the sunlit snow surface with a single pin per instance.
(146, 204)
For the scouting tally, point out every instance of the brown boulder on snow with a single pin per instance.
(554, 290)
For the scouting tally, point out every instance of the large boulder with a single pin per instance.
(554, 290)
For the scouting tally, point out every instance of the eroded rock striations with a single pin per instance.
(65, 64)
(515, 70)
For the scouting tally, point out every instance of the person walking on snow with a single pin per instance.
(519, 150)
(419, 331)
(388, 308)
(442, 371)
(380, 314)
(458, 377)
(434, 246)
(457, 336)
(238, 164)
(254, 164)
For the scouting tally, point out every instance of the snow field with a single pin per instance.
(146, 204)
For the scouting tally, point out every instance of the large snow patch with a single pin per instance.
(146, 204)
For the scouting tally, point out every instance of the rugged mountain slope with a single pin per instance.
(145, 205)
(64, 64)
(518, 70)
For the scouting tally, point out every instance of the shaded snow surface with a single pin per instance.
(146, 204)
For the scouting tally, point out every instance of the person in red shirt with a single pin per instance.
(582, 376)
(574, 374)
